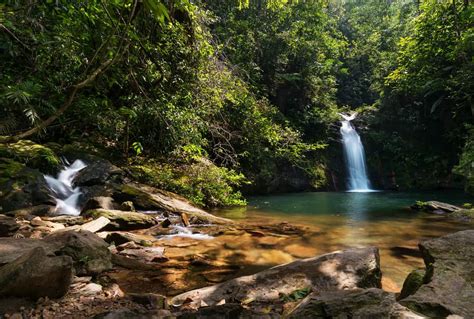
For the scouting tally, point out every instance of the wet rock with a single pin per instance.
(359, 303)
(448, 283)
(435, 207)
(8, 226)
(96, 173)
(120, 220)
(150, 198)
(348, 269)
(35, 274)
(146, 254)
(90, 253)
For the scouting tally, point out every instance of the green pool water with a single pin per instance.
(344, 220)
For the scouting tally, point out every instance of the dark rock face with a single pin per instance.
(412, 283)
(8, 226)
(90, 253)
(21, 187)
(448, 283)
(35, 274)
(359, 303)
(349, 269)
(97, 173)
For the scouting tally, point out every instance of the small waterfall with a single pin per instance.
(354, 155)
(65, 195)
(180, 231)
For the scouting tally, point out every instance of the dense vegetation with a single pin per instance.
(209, 98)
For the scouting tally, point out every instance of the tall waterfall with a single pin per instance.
(65, 195)
(354, 155)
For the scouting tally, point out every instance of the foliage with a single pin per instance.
(199, 180)
(209, 94)
(466, 162)
(295, 295)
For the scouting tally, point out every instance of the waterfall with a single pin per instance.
(354, 155)
(63, 192)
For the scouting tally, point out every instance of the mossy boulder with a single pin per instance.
(150, 198)
(414, 281)
(21, 186)
(122, 220)
(32, 154)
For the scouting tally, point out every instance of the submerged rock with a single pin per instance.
(447, 287)
(349, 269)
(435, 207)
(359, 303)
(36, 274)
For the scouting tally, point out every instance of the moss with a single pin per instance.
(464, 214)
(412, 283)
(201, 182)
(32, 154)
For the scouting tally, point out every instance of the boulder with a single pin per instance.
(8, 226)
(120, 220)
(349, 269)
(358, 303)
(21, 187)
(447, 287)
(435, 207)
(97, 173)
(150, 198)
(119, 238)
(36, 274)
(38, 210)
(90, 253)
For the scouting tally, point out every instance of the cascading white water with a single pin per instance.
(354, 155)
(65, 195)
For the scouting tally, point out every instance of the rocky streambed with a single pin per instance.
(139, 252)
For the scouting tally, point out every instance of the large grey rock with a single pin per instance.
(359, 303)
(448, 283)
(349, 269)
(88, 251)
(36, 274)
